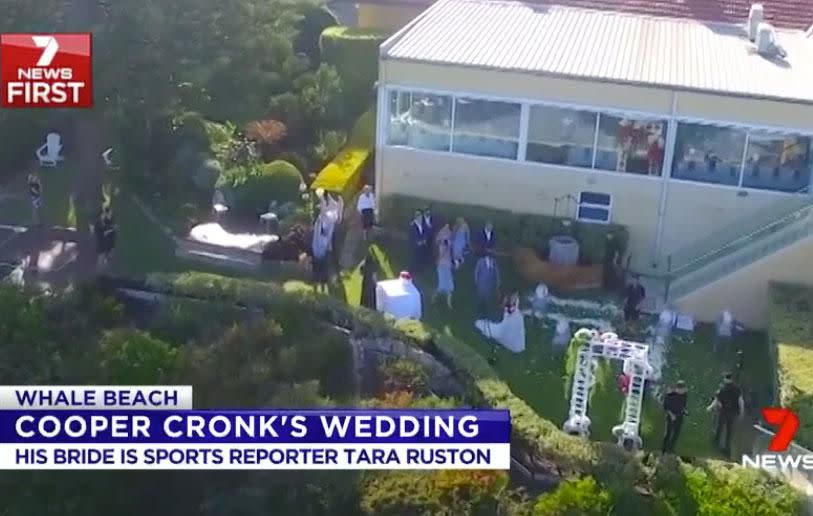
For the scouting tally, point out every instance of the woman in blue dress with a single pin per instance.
(444, 268)
(461, 238)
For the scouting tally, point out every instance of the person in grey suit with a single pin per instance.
(487, 283)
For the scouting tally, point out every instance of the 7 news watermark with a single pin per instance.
(787, 424)
(46, 70)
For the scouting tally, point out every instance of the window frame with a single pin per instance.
(672, 119)
(517, 139)
(605, 207)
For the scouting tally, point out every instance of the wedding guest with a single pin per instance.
(486, 239)
(633, 298)
(369, 278)
(366, 207)
(35, 193)
(444, 232)
(429, 223)
(320, 246)
(445, 286)
(104, 231)
(486, 282)
(420, 242)
(461, 240)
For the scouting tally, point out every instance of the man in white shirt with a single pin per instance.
(366, 207)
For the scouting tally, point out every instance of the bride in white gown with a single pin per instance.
(510, 332)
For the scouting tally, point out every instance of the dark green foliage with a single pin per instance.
(22, 132)
(132, 357)
(254, 186)
(405, 375)
(575, 497)
(315, 19)
(511, 228)
(354, 53)
(791, 334)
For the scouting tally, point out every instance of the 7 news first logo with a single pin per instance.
(46, 70)
(787, 424)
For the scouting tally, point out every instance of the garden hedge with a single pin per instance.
(511, 228)
(343, 175)
(791, 334)
(669, 486)
(252, 187)
(353, 51)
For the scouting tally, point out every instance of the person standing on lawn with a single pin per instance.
(104, 231)
(486, 239)
(730, 405)
(674, 405)
(445, 285)
(429, 226)
(320, 247)
(369, 278)
(461, 240)
(366, 207)
(486, 283)
(634, 295)
(35, 193)
(420, 242)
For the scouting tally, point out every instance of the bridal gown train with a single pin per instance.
(510, 332)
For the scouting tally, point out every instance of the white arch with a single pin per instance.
(635, 356)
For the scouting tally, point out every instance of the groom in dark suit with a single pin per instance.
(419, 240)
(486, 240)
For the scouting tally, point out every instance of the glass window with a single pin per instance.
(430, 121)
(420, 120)
(594, 207)
(708, 153)
(561, 136)
(630, 145)
(399, 101)
(599, 199)
(777, 162)
(486, 128)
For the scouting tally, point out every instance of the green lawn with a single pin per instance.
(541, 375)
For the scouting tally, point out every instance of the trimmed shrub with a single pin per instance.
(512, 228)
(791, 334)
(575, 497)
(404, 375)
(354, 53)
(253, 187)
(315, 19)
(343, 175)
(207, 174)
(669, 487)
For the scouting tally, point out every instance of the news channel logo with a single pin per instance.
(46, 70)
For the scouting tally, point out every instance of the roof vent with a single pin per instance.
(755, 17)
(767, 43)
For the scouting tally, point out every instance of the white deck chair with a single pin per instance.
(108, 158)
(50, 154)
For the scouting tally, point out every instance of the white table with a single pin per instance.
(398, 298)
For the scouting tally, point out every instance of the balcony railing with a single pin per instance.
(738, 244)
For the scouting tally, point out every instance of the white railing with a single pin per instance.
(763, 242)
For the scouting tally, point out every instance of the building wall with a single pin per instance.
(521, 187)
(692, 210)
(388, 17)
(745, 292)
